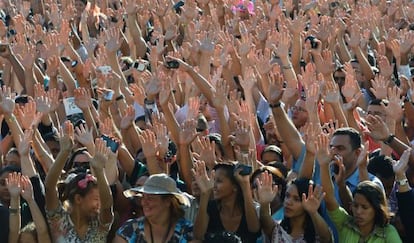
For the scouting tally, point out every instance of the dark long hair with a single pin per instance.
(72, 187)
(229, 170)
(302, 184)
(376, 197)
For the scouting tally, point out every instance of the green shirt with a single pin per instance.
(349, 232)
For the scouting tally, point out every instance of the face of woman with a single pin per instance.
(293, 203)
(223, 187)
(27, 238)
(154, 205)
(364, 213)
(4, 193)
(90, 204)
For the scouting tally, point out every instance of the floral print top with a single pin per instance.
(133, 231)
(63, 229)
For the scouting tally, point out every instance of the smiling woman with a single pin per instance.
(158, 193)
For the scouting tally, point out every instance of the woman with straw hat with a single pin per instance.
(157, 194)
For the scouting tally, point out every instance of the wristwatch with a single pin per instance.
(389, 139)
(402, 182)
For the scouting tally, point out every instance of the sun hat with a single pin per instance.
(159, 184)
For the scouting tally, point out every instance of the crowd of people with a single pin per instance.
(206, 121)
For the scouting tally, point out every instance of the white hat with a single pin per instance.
(159, 184)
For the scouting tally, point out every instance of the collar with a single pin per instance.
(377, 232)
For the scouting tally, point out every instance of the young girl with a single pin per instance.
(302, 222)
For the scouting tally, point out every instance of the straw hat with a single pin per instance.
(159, 184)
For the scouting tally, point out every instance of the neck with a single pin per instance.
(77, 218)
(229, 205)
(297, 223)
(159, 220)
(366, 229)
(349, 171)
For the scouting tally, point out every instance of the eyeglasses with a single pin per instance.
(298, 109)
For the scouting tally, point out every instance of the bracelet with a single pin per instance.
(121, 97)
(14, 210)
(402, 182)
(287, 67)
(12, 118)
(276, 105)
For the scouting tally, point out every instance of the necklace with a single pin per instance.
(164, 239)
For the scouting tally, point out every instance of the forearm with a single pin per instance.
(202, 217)
(14, 127)
(321, 228)
(18, 68)
(105, 197)
(14, 220)
(42, 152)
(38, 7)
(185, 163)
(327, 185)
(343, 52)
(204, 65)
(171, 122)
(67, 79)
(365, 67)
(56, 169)
(135, 32)
(266, 220)
(90, 120)
(27, 165)
(288, 71)
(125, 160)
(339, 114)
(253, 224)
(205, 87)
(39, 221)
(29, 81)
(306, 171)
(296, 51)
(346, 195)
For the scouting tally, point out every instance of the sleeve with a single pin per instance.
(339, 216)
(54, 216)
(392, 235)
(297, 164)
(405, 203)
(126, 230)
(4, 221)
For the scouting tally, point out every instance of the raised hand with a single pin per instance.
(13, 184)
(275, 88)
(101, 156)
(242, 133)
(203, 180)
(25, 142)
(322, 147)
(106, 127)
(378, 129)
(394, 108)
(82, 98)
(28, 116)
(220, 96)
(312, 202)
(26, 188)
(7, 103)
(113, 42)
(127, 118)
(162, 140)
(266, 191)
(149, 143)
(380, 87)
(401, 166)
(66, 136)
(193, 107)
(208, 152)
(188, 132)
(332, 94)
(282, 49)
(83, 135)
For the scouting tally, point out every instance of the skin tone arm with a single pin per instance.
(206, 184)
(186, 136)
(378, 130)
(311, 204)
(98, 163)
(17, 66)
(324, 158)
(25, 159)
(134, 28)
(264, 194)
(66, 145)
(38, 219)
(14, 187)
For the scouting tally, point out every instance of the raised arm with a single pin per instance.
(98, 162)
(66, 145)
(38, 219)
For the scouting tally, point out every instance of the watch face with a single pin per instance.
(402, 182)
